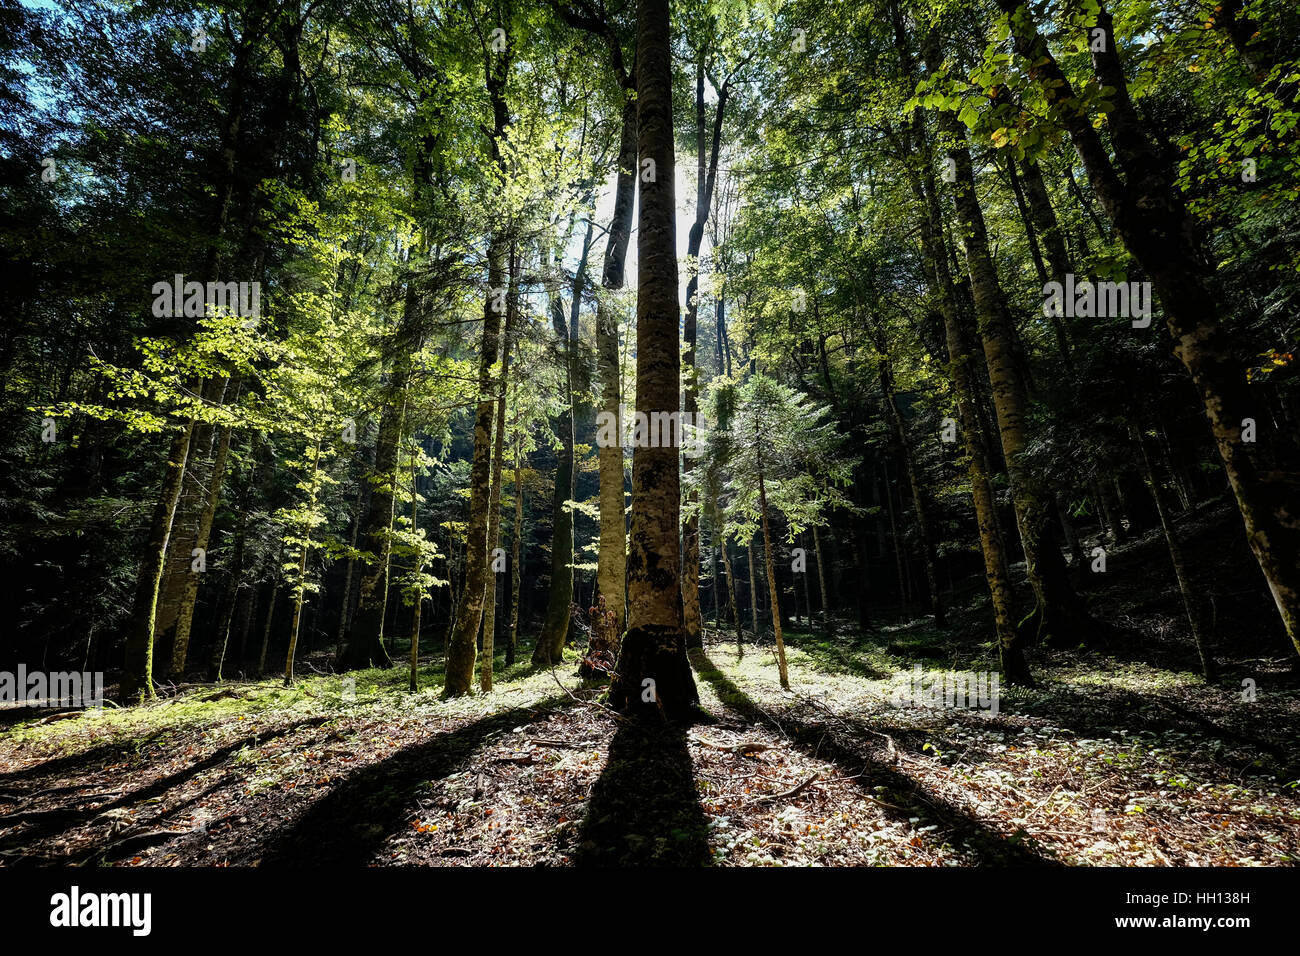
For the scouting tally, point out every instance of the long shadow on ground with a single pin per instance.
(43, 824)
(851, 754)
(86, 761)
(348, 825)
(644, 810)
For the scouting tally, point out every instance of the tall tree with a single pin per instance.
(654, 675)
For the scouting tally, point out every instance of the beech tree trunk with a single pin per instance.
(462, 644)
(216, 475)
(961, 370)
(706, 177)
(782, 670)
(611, 568)
(821, 578)
(137, 675)
(653, 675)
(494, 521)
(1059, 616)
(516, 545)
(462, 641)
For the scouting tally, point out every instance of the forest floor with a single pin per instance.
(1122, 754)
(1105, 762)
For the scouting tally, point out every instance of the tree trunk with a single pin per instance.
(515, 574)
(494, 520)
(821, 579)
(731, 601)
(234, 584)
(351, 566)
(462, 640)
(462, 645)
(270, 614)
(1059, 614)
(301, 587)
(706, 176)
(611, 572)
(185, 616)
(904, 594)
(559, 607)
(782, 669)
(654, 675)
(1191, 602)
(935, 247)
(1040, 225)
(920, 503)
(414, 683)
(807, 599)
(137, 675)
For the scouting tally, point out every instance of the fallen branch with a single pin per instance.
(547, 742)
(788, 794)
(62, 715)
(738, 749)
(590, 703)
(891, 747)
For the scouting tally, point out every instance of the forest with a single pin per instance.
(650, 433)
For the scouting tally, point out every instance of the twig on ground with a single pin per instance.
(738, 749)
(787, 794)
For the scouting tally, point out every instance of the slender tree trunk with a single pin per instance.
(137, 676)
(782, 669)
(731, 601)
(347, 578)
(245, 625)
(233, 585)
(920, 504)
(1191, 602)
(300, 588)
(1040, 224)
(821, 579)
(611, 571)
(494, 521)
(559, 607)
(516, 544)
(462, 645)
(807, 600)
(935, 245)
(555, 629)
(706, 177)
(270, 615)
(414, 683)
(904, 594)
